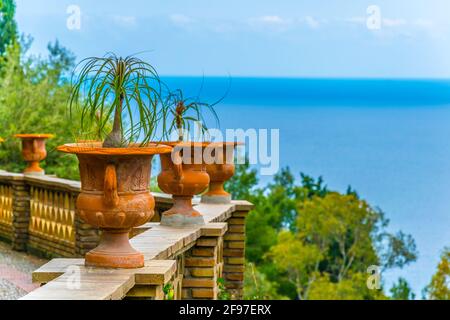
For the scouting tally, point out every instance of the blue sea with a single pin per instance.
(388, 139)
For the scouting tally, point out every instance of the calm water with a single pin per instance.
(388, 139)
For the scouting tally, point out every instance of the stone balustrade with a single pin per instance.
(38, 214)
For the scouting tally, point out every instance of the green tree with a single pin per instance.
(275, 209)
(303, 237)
(8, 26)
(298, 259)
(257, 286)
(439, 287)
(353, 287)
(33, 99)
(336, 239)
(401, 290)
(242, 184)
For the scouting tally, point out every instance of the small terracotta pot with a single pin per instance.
(114, 197)
(183, 179)
(33, 151)
(219, 172)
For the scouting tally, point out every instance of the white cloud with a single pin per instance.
(270, 23)
(394, 22)
(312, 22)
(125, 21)
(387, 22)
(271, 19)
(180, 20)
(356, 20)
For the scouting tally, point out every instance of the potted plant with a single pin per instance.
(115, 168)
(183, 172)
(221, 170)
(33, 151)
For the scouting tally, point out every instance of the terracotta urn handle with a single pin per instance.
(177, 163)
(111, 196)
(35, 148)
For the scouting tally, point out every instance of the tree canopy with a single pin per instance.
(439, 287)
(33, 99)
(8, 26)
(315, 243)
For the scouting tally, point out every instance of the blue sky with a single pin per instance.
(289, 38)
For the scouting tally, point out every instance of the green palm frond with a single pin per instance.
(182, 112)
(123, 91)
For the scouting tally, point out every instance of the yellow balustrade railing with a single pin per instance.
(6, 208)
(52, 215)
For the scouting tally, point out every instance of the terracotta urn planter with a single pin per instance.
(219, 172)
(183, 179)
(114, 197)
(33, 151)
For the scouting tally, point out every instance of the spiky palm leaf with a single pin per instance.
(126, 91)
(182, 112)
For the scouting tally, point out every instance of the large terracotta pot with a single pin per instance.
(114, 197)
(219, 172)
(183, 179)
(33, 151)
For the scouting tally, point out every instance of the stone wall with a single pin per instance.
(184, 263)
(203, 266)
(234, 254)
(38, 214)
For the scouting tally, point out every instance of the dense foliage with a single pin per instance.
(439, 287)
(305, 241)
(402, 291)
(8, 26)
(33, 99)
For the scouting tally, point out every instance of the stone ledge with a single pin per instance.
(157, 243)
(69, 279)
(155, 272)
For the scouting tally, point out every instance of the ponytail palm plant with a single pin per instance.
(124, 92)
(118, 101)
(185, 111)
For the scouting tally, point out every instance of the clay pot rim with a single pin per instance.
(225, 143)
(201, 144)
(34, 135)
(95, 148)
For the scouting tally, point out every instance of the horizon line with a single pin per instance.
(308, 77)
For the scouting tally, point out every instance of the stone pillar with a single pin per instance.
(234, 254)
(203, 264)
(21, 214)
(86, 237)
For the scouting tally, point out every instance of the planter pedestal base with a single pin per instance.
(33, 169)
(114, 251)
(216, 199)
(34, 173)
(182, 213)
